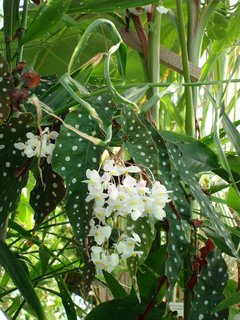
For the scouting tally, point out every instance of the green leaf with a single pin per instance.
(199, 157)
(150, 272)
(207, 209)
(73, 155)
(138, 142)
(228, 302)
(127, 308)
(231, 132)
(233, 200)
(44, 258)
(13, 166)
(105, 5)
(114, 286)
(47, 17)
(46, 194)
(66, 299)
(5, 87)
(232, 35)
(208, 290)
(177, 233)
(20, 278)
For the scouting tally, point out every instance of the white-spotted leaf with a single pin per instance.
(13, 166)
(46, 194)
(5, 87)
(208, 290)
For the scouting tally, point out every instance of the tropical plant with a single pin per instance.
(120, 159)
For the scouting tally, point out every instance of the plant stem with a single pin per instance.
(153, 60)
(195, 42)
(193, 9)
(8, 28)
(190, 114)
(22, 30)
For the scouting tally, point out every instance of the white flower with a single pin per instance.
(104, 260)
(98, 195)
(100, 234)
(160, 193)
(94, 180)
(129, 182)
(113, 170)
(101, 213)
(141, 188)
(135, 207)
(126, 246)
(153, 209)
(131, 169)
(109, 262)
(40, 146)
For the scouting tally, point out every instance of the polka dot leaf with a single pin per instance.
(207, 209)
(139, 142)
(13, 166)
(73, 155)
(177, 245)
(45, 196)
(5, 87)
(168, 175)
(208, 289)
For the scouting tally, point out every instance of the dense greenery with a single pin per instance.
(81, 84)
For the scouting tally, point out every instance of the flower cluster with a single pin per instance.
(40, 146)
(120, 193)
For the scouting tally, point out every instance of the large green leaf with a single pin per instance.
(73, 155)
(114, 286)
(47, 193)
(207, 209)
(127, 308)
(209, 288)
(151, 271)
(47, 17)
(20, 278)
(13, 166)
(138, 141)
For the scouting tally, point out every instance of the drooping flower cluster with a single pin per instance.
(38, 145)
(120, 193)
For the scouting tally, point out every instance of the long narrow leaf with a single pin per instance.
(20, 278)
(231, 132)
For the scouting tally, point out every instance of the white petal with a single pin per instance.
(20, 146)
(136, 214)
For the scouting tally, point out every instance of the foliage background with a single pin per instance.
(48, 255)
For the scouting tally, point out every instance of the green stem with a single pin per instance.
(190, 114)
(153, 60)
(8, 28)
(196, 41)
(193, 9)
(22, 31)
